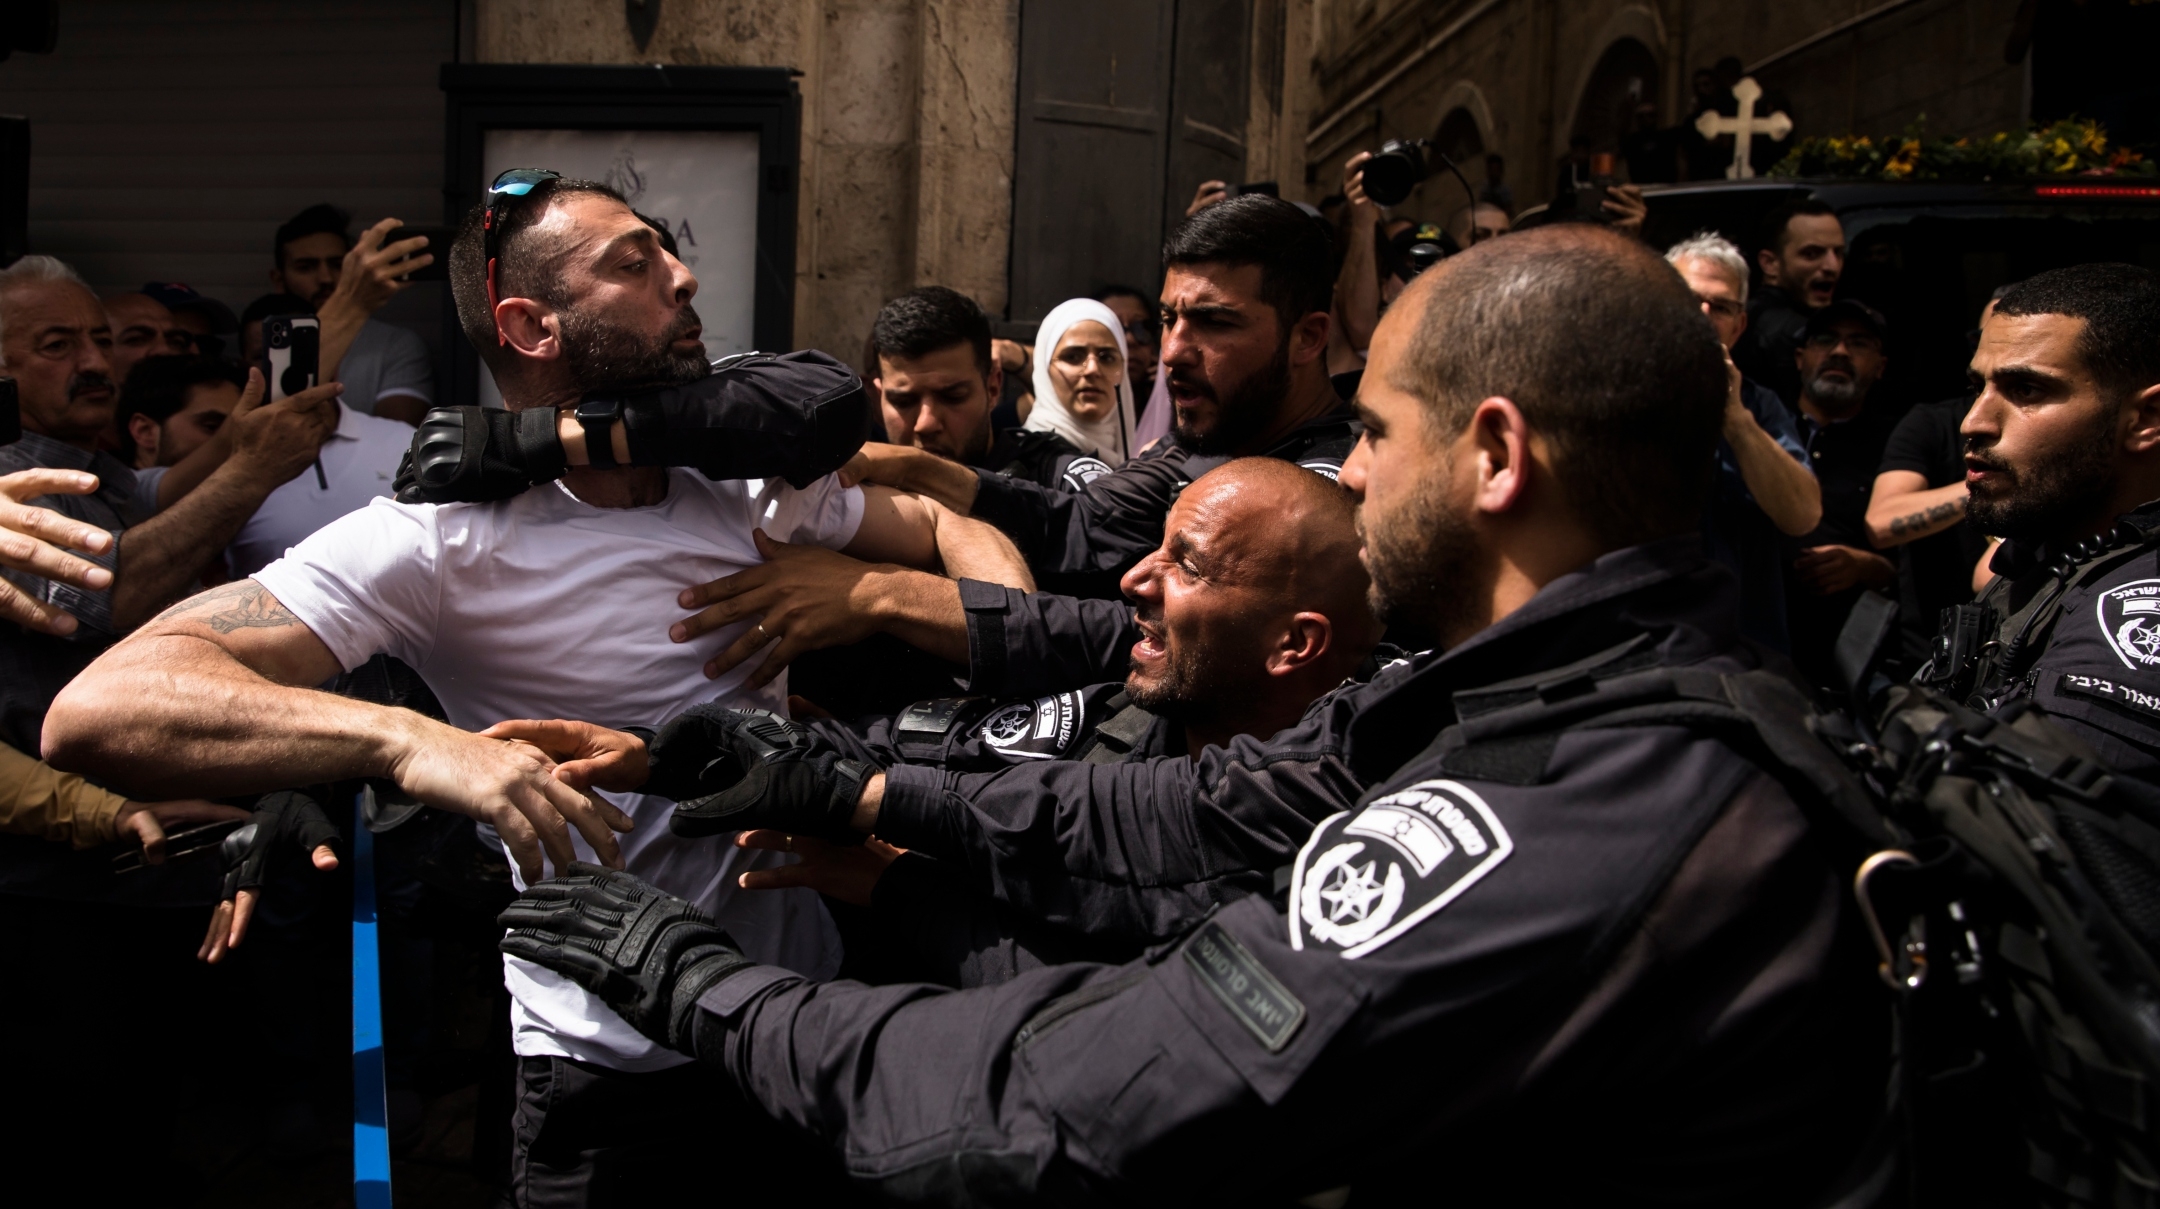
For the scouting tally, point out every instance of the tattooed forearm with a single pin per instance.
(234, 606)
(255, 610)
(1913, 523)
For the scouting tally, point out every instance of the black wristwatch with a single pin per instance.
(597, 417)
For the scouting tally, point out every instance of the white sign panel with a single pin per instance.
(702, 183)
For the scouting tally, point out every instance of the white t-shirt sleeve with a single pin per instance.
(146, 489)
(822, 514)
(367, 583)
(405, 367)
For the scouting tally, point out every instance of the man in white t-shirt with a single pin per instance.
(556, 603)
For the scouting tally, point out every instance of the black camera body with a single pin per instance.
(10, 412)
(1397, 168)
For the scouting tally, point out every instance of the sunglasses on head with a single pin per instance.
(510, 185)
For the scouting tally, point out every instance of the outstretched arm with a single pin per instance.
(1903, 508)
(807, 598)
(207, 700)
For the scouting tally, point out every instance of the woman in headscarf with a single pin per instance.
(1082, 392)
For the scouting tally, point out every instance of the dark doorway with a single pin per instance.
(1125, 107)
(1458, 139)
(1625, 81)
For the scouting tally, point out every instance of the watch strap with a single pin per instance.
(598, 421)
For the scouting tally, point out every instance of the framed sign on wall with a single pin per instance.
(709, 151)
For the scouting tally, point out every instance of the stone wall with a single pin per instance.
(1396, 68)
(907, 129)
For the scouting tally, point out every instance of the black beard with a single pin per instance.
(1246, 411)
(1192, 689)
(2049, 496)
(606, 356)
(1420, 564)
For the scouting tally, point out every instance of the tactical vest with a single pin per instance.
(1984, 649)
(2010, 889)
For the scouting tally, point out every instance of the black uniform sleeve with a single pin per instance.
(866, 739)
(1139, 851)
(1071, 1084)
(1544, 984)
(1108, 526)
(1025, 644)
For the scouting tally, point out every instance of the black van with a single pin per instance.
(1929, 254)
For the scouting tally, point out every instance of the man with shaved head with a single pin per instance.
(1539, 940)
(1252, 608)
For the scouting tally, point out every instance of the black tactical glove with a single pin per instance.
(465, 455)
(795, 416)
(647, 954)
(286, 824)
(745, 769)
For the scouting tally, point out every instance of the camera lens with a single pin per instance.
(1391, 174)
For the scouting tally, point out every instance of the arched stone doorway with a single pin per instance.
(1460, 140)
(1620, 97)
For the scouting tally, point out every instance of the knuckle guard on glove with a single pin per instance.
(285, 825)
(742, 770)
(645, 953)
(795, 416)
(469, 454)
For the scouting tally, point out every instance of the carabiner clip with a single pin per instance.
(1913, 961)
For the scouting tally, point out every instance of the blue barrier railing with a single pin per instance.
(371, 1132)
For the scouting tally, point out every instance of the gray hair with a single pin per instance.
(29, 269)
(1715, 248)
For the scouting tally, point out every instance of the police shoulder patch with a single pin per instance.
(1044, 729)
(2129, 617)
(1084, 470)
(1368, 876)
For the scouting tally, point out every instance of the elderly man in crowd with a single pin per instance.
(104, 944)
(1763, 488)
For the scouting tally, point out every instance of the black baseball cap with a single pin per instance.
(1849, 310)
(179, 296)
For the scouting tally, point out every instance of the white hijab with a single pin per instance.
(1110, 438)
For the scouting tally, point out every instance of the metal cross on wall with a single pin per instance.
(1743, 126)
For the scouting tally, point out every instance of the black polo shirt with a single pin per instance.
(1845, 456)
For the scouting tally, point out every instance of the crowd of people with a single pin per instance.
(1082, 781)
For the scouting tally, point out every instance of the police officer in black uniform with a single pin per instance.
(1593, 965)
(2063, 460)
(1274, 618)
